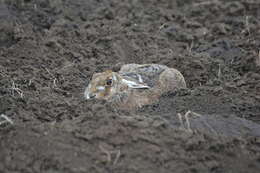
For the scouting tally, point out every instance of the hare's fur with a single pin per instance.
(135, 85)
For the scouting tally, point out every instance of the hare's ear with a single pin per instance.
(114, 77)
(134, 84)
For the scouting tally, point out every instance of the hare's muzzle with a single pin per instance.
(89, 96)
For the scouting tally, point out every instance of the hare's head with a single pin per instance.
(107, 84)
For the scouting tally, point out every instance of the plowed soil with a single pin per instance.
(49, 50)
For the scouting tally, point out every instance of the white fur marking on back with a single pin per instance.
(140, 78)
(133, 84)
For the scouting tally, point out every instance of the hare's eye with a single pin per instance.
(109, 82)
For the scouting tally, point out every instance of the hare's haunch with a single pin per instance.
(134, 85)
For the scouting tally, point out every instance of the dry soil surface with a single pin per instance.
(49, 50)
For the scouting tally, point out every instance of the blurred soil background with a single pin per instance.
(49, 50)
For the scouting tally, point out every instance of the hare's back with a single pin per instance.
(152, 74)
(147, 73)
(151, 69)
(172, 79)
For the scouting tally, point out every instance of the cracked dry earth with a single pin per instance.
(49, 50)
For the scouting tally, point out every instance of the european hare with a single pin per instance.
(134, 85)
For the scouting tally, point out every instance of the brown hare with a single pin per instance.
(134, 85)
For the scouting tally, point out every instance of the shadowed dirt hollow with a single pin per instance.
(49, 50)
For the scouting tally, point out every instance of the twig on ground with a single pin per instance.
(14, 88)
(186, 116)
(53, 77)
(109, 154)
(211, 2)
(190, 47)
(54, 82)
(162, 26)
(30, 82)
(188, 122)
(258, 59)
(181, 120)
(6, 119)
(118, 154)
(106, 152)
(247, 25)
(219, 72)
